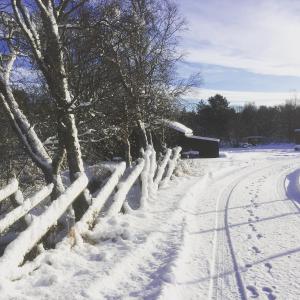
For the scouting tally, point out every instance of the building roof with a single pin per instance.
(179, 127)
(187, 131)
(254, 137)
(203, 138)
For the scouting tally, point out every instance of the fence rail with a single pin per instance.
(9, 190)
(147, 172)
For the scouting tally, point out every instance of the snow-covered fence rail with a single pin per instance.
(171, 166)
(150, 173)
(15, 252)
(161, 169)
(145, 177)
(98, 202)
(20, 211)
(151, 176)
(9, 190)
(124, 187)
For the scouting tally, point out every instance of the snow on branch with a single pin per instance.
(15, 252)
(98, 202)
(9, 190)
(124, 187)
(29, 139)
(23, 209)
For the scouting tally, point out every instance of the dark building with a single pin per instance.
(297, 136)
(192, 145)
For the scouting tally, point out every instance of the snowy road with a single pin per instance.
(227, 230)
(255, 232)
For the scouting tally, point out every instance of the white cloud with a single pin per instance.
(242, 97)
(261, 36)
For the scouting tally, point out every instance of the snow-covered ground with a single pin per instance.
(225, 228)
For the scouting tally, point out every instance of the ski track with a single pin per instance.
(224, 263)
(207, 239)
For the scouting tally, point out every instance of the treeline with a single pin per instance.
(216, 118)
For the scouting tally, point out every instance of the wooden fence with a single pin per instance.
(152, 175)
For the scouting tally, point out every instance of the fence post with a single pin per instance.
(161, 169)
(145, 179)
(153, 169)
(124, 187)
(98, 202)
(171, 166)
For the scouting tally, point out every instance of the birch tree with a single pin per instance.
(41, 26)
(21, 125)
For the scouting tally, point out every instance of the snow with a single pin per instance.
(227, 228)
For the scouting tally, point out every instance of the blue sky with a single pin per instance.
(248, 50)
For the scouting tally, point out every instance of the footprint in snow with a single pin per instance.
(253, 291)
(252, 227)
(256, 250)
(259, 235)
(269, 293)
(269, 267)
(250, 212)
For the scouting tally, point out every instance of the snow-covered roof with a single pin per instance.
(203, 138)
(179, 127)
(187, 131)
